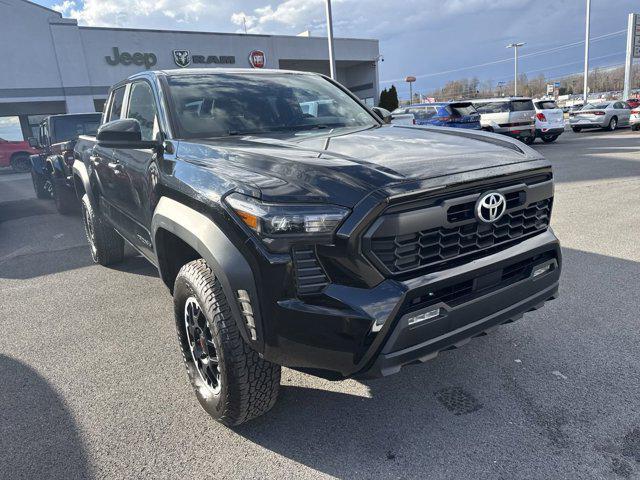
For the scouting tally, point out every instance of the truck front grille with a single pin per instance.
(431, 247)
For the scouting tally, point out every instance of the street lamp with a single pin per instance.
(410, 80)
(332, 60)
(585, 93)
(515, 46)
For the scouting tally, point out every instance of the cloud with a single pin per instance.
(141, 13)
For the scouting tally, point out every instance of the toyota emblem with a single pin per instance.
(490, 207)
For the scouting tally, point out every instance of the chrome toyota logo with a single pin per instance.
(490, 207)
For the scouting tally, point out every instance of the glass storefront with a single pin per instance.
(10, 128)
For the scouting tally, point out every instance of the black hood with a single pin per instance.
(344, 165)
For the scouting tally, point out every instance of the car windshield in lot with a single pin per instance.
(214, 105)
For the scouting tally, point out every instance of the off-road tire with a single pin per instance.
(248, 385)
(20, 162)
(41, 185)
(107, 247)
(549, 138)
(64, 198)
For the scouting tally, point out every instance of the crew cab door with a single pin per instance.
(102, 158)
(133, 168)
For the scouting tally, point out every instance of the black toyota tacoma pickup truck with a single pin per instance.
(294, 228)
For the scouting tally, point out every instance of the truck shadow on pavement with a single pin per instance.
(38, 435)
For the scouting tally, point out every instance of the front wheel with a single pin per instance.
(613, 124)
(41, 185)
(635, 128)
(65, 198)
(20, 163)
(107, 247)
(549, 138)
(529, 140)
(576, 129)
(232, 383)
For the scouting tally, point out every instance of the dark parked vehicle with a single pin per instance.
(51, 170)
(322, 240)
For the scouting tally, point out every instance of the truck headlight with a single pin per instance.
(281, 224)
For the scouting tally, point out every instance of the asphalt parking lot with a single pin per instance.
(93, 386)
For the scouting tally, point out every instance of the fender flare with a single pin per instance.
(227, 262)
(38, 164)
(57, 169)
(80, 173)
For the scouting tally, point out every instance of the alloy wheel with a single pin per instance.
(203, 351)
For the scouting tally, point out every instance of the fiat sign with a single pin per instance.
(257, 59)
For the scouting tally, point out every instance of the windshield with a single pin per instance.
(233, 104)
(69, 128)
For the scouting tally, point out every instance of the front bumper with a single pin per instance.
(338, 337)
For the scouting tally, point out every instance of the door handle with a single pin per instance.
(116, 167)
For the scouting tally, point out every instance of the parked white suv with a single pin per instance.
(513, 116)
(549, 120)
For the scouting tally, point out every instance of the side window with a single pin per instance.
(142, 107)
(44, 139)
(115, 108)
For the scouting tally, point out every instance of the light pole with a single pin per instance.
(585, 93)
(410, 80)
(515, 46)
(332, 60)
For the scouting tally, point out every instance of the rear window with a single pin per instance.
(66, 129)
(596, 106)
(423, 113)
(462, 109)
(521, 105)
(492, 107)
(546, 105)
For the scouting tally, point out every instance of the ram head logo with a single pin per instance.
(182, 58)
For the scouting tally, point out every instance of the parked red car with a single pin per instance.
(16, 155)
(633, 102)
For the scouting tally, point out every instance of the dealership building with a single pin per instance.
(51, 65)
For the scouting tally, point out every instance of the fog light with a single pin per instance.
(424, 316)
(541, 270)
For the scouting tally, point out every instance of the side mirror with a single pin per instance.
(383, 113)
(123, 133)
(33, 142)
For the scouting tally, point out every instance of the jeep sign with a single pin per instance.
(137, 58)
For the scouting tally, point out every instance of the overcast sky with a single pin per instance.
(417, 37)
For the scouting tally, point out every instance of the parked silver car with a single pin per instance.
(513, 116)
(606, 114)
